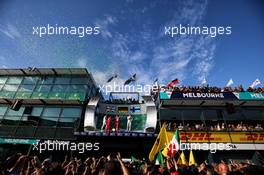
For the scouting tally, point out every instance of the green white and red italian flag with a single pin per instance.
(174, 145)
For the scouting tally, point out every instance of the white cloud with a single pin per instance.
(82, 62)
(204, 51)
(11, 31)
(185, 56)
(168, 58)
(105, 24)
(138, 56)
(120, 47)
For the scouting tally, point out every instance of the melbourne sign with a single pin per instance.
(198, 95)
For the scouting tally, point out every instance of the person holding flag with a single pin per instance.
(255, 83)
(160, 143)
(173, 83)
(173, 146)
(229, 83)
(204, 82)
(191, 159)
(182, 160)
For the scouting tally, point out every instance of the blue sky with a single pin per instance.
(132, 39)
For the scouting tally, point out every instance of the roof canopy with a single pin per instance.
(44, 71)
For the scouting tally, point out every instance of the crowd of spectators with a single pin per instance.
(172, 126)
(114, 165)
(207, 89)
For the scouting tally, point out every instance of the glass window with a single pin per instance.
(71, 112)
(192, 114)
(171, 114)
(12, 120)
(3, 80)
(30, 80)
(9, 87)
(1, 86)
(3, 110)
(79, 80)
(62, 80)
(43, 88)
(253, 114)
(77, 88)
(67, 122)
(46, 80)
(36, 111)
(20, 112)
(48, 121)
(210, 115)
(14, 80)
(59, 88)
(51, 112)
(238, 115)
(26, 88)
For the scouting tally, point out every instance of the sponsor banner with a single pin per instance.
(247, 146)
(214, 147)
(18, 141)
(249, 96)
(247, 137)
(197, 95)
(220, 137)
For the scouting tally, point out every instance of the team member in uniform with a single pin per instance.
(129, 122)
(104, 123)
(108, 124)
(117, 123)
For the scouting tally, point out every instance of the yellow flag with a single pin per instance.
(160, 143)
(182, 159)
(165, 152)
(191, 159)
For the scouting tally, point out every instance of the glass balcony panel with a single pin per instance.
(30, 80)
(23, 95)
(71, 112)
(46, 80)
(14, 80)
(43, 88)
(56, 95)
(77, 88)
(59, 88)
(36, 111)
(3, 80)
(10, 87)
(62, 80)
(39, 95)
(79, 80)
(11, 112)
(26, 88)
(75, 96)
(7, 94)
(3, 110)
(51, 112)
